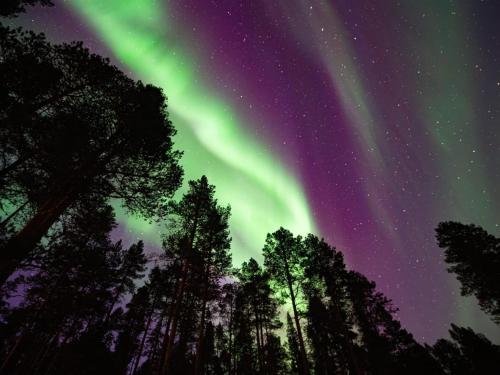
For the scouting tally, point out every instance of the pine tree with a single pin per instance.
(293, 347)
(255, 286)
(92, 132)
(282, 259)
(245, 357)
(330, 326)
(388, 348)
(214, 264)
(67, 297)
(276, 356)
(131, 327)
(132, 264)
(226, 306)
(198, 234)
(451, 358)
(468, 353)
(219, 364)
(474, 256)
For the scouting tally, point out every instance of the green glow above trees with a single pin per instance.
(262, 192)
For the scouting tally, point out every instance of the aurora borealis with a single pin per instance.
(366, 122)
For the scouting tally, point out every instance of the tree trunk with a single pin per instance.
(263, 344)
(305, 364)
(143, 340)
(43, 353)
(175, 315)
(257, 335)
(269, 364)
(164, 343)
(56, 356)
(118, 292)
(198, 368)
(178, 300)
(21, 244)
(11, 352)
(231, 338)
(154, 346)
(66, 191)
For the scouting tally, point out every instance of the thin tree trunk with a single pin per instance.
(257, 334)
(169, 314)
(177, 306)
(185, 268)
(166, 336)
(264, 342)
(305, 364)
(263, 346)
(55, 357)
(198, 367)
(143, 340)
(267, 353)
(42, 353)
(11, 352)
(231, 337)
(201, 332)
(154, 346)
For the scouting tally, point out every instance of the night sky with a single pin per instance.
(366, 122)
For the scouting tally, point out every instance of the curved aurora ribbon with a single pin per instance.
(262, 193)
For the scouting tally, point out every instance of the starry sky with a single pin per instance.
(365, 122)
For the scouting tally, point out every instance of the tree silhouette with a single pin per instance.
(293, 347)
(92, 132)
(387, 347)
(263, 311)
(468, 353)
(474, 256)
(76, 135)
(245, 356)
(198, 234)
(282, 258)
(132, 264)
(10, 8)
(330, 327)
(214, 264)
(67, 297)
(132, 327)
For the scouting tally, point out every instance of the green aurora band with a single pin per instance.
(262, 193)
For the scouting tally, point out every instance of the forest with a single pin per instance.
(77, 138)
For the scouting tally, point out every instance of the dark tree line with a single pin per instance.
(83, 312)
(11, 8)
(76, 134)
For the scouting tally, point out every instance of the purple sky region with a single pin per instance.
(387, 113)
